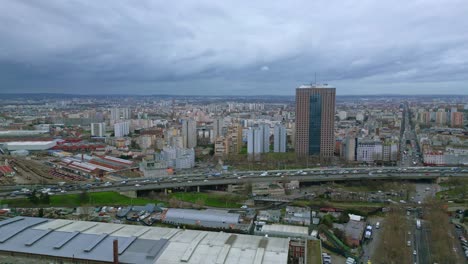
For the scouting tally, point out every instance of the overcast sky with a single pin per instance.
(233, 47)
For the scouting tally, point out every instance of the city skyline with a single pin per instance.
(264, 132)
(212, 49)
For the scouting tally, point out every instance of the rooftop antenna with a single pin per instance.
(315, 76)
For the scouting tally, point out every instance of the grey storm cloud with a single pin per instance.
(233, 47)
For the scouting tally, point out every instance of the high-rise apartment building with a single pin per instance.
(120, 113)
(315, 113)
(265, 130)
(457, 119)
(441, 117)
(189, 133)
(121, 129)
(350, 148)
(218, 126)
(258, 139)
(279, 138)
(255, 141)
(98, 129)
(234, 138)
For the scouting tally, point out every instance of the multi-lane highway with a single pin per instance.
(305, 175)
(409, 153)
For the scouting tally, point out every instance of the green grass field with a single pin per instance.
(313, 251)
(209, 199)
(73, 200)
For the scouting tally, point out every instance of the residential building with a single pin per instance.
(122, 129)
(234, 138)
(342, 115)
(350, 148)
(457, 119)
(145, 141)
(120, 113)
(279, 138)
(368, 150)
(98, 129)
(218, 127)
(153, 168)
(189, 133)
(220, 147)
(258, 139)
(179, 158)
(441, 117)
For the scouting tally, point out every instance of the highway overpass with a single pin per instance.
(304, 175)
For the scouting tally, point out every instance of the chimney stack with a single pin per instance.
(116, 251)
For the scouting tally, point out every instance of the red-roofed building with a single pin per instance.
(6, 171)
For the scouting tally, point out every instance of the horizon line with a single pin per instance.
(219, 95)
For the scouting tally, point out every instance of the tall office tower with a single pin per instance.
(189, 133)
(218, 125)
(315, 113)
(121, 129)
(279, 138)
(98, 129)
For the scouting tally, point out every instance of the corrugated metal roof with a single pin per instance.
(72, 244)
(137, 244)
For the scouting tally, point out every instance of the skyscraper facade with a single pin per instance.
(315, 112)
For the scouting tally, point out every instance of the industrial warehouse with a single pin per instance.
(91, 242)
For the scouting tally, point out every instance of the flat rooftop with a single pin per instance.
(303, 230)
(29, 143)
(137, 244)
